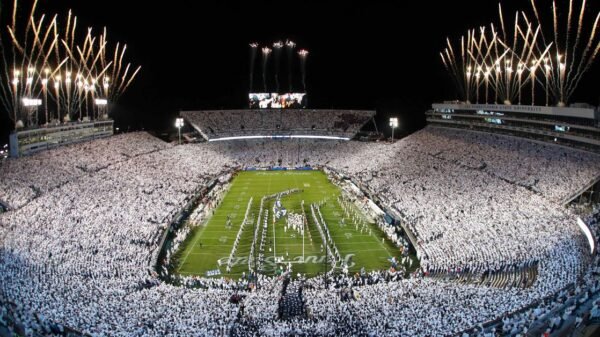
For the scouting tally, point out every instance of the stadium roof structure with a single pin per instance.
(223, 125)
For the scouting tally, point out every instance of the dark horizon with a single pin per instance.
(363, 54)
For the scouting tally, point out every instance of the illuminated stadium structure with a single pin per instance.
(278, 123)
(572, 126)
(484, 223)
(27, 142)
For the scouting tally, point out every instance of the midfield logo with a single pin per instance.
(270, 264)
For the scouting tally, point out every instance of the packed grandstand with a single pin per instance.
(224, 124)
(498, 250)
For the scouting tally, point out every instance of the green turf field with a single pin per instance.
(361, 245)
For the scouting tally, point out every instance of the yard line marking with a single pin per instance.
(191, 248)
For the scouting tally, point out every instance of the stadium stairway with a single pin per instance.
(291, 302)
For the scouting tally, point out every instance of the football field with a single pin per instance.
(209, 246)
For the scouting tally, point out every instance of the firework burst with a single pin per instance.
(508, 60)
(63, 68)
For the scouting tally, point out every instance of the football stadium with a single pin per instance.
(280, 218)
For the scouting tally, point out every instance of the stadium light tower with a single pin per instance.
(32, 105)
(102, 104)
(393, 125)
(179, 125)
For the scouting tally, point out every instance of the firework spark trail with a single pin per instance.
(68, 93)
(520, 54)
(513, 83)
(73, 29)
(68, 27)
(14, 14)
(41, 44)
(451, 67)
(13, 105)
(468, 74)
(581, 69)
(277, 53)
(103, 64)
(103, 51)
(472, 75)
(463, 79)
(118, 74)
(266, 51)
(290, 46)
(454, 66)
(132, 77)
(115, 61)
(480, 49)
(555, 24)
(483, 52)
(253, 49)
(564, 83)
(558, 56)
(447, 65)
(577, 38)
(124, 76)
(303, 55)
(474, 61)
(55, 42)
(520, 42)
(90, 63)
(444, 61)
(36, 41)
(569, 20)
(26, 69)
(528, 58)
(523, 56)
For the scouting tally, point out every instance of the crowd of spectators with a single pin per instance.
(267, 122)
(85, 222)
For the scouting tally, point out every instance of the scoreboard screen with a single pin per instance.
(277, 101)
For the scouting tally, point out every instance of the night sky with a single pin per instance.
(380, 55)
